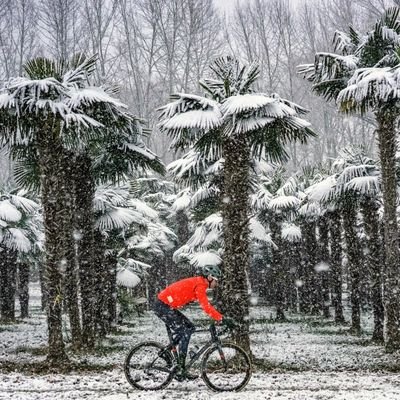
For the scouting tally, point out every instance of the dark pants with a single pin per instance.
(177, 322)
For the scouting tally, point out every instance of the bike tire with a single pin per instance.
(226, 367)
(146, 369)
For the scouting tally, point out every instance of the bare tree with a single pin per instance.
(60, 25)
(99, 26)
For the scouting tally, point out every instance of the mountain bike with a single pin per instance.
(224, 366)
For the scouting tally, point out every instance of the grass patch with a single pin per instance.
(105, 350)
(42, 368)
(35, 351)
(265, 365)
(7, 328)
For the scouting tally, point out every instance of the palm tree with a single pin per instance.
(319, 201)
(51, 110)
(235, 124)
(364, 78)
(360, 178)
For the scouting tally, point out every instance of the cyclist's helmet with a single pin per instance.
(211, 270)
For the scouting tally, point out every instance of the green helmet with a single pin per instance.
(212, 270)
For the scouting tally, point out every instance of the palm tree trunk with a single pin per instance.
(324, 259)
(309, 298)
(354, 266)
(110, 262)
(335, 233)
(386, 134)
(50, 149)
(235, 212)
(84, 194)
(23, 286)
(277, 268)
(8, 280)
(71, 273)
(371, 226)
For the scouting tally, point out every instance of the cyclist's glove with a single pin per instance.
(229, 323)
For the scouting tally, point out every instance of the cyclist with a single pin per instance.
(180, 294)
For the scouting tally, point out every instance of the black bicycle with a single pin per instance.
(224, 366)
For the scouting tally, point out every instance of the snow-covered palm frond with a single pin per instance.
(158, 239)
(365, 185)
(35, 89)
(107, 196)
(27, 206)
(310, 210)
(119, 218)
(214, 221)
(329, 73)
(182, 201)
(291, 232)
(207, 232)
(247, 102)
(203, 193)
(143, 209)
(127, 278)
(262, 167)
(9, 212)
(139, 148)
(89, 96)
(290, 187)
(284, 203)
(344, 43)
(72, 119)
(199, 119)
(17, 239)
(323, 191)
(201, 259)
(215, 168)
(198, 114)
(368, 88)
(80, 69)
(258, 232)
(260, 200)
(191, 165)
(354, 171)
(387, 28)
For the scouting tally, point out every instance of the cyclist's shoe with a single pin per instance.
(183, 375)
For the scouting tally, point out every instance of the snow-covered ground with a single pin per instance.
(303, 359)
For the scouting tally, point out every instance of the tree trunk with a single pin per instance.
(324, 264)
(278, 269)
(386, 134)
(371, 226)
(8, 280)
(354, 261)
(84, 194)
(235, 212)
(309, 291)
(50, 149)
(335, 234)
(23, 286)
(71, 240)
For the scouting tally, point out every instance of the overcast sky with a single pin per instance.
(225, 5)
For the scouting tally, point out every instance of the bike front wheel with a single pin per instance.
(148, 366)
(226, 367)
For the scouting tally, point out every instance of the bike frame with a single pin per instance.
(173, 343)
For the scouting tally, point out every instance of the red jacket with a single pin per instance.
(187, 290)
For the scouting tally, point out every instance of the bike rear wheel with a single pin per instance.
(226, 367)
(148, 366)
